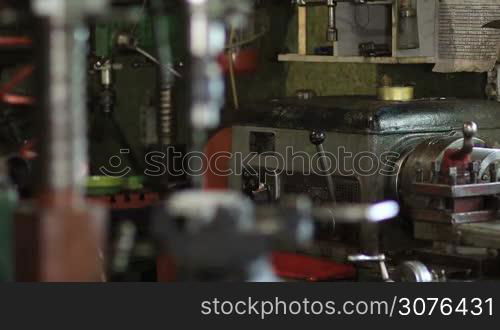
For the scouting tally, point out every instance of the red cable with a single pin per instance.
(18, 77)
(21, 74)
(15, 99)
(15, 41)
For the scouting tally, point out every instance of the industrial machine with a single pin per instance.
(425, 153)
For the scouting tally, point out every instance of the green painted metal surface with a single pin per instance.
(105, 35)
(8, 202)
(136, 87)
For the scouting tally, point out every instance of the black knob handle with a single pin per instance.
(317, 137)
(470, 129)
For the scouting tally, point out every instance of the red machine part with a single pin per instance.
(455, 158)
(217, 150)
(244, 61)
(305, 268)
(9, 41)
(460, 159)
(286, 265)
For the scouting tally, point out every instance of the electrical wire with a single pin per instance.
(246, 41)
(155, 60)
(147, 55)
(18, 77)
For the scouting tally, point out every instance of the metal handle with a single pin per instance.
(470, 131)
(317, 137)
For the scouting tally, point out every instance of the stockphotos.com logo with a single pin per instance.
(156, 164)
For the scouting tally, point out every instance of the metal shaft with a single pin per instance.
(64, 153)
(329, 179)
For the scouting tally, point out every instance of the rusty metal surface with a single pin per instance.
(468, 204)
(369, 115)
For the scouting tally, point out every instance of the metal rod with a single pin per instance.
(332, 33)
(64, 153)
(329, 179)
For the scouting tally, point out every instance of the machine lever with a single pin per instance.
(317, 138)
(469, 131)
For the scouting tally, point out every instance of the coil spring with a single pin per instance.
(166, 114)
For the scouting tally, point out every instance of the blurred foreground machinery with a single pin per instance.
(221, 236)
(59, 236)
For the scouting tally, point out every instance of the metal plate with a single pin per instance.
(459, 191)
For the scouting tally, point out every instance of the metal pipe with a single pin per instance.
(64, 153)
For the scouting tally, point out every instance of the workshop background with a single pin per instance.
(95, 93)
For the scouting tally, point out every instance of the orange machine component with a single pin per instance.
(218, 151)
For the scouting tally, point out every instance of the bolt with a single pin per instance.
(474, 168)
(453, 173)
(493, 172)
